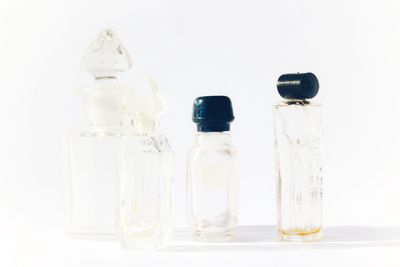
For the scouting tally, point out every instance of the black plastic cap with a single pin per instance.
(212, 113)
(298, 85)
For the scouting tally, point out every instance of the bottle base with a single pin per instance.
(142, 245)
(144, 240)
(212, 236)
(92, 236)
(297, 235)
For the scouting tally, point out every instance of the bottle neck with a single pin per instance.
(213, 127)
(103, 102)
(301, 102)
(99, 116)
(142, 125)
(297, 103)
(213, 138)
(106, 81)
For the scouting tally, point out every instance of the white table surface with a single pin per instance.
(252, 246)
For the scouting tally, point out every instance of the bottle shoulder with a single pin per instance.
(213, 139)
(96, 132)
(124, 138)
(212, 144)
(155, 142)
(151, 136)
(209, 147)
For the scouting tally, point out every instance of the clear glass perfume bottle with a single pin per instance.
(92, 153)
(146, 172)
(212, 179)
(297, 125)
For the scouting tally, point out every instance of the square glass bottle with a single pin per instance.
(212, 179)
(92, 153)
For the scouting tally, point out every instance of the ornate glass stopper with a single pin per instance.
(106, 57)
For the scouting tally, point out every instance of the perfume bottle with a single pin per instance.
(146, 172)
(212, 180)
(297, 130)
(92, 153)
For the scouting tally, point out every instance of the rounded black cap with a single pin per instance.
(212, 113)
(298, 85)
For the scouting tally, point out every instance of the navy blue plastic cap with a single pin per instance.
(298, 85)
(212, 113)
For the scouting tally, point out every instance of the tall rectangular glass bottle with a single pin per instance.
(298, 133)
(92, 153)
(212, 180)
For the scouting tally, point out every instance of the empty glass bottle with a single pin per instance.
(91, 153)
(297, 125)
(146, 172)
(119, 170)
(212, 180)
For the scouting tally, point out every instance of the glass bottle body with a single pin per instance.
(145, 199)
(212, 187)
(92, 183)
(298, 132)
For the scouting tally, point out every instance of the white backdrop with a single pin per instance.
(193, 48)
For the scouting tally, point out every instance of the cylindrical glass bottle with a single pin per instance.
(298, 132)
(212, 180)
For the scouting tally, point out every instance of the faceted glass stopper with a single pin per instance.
(106, 57)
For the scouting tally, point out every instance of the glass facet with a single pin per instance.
(298, 146)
